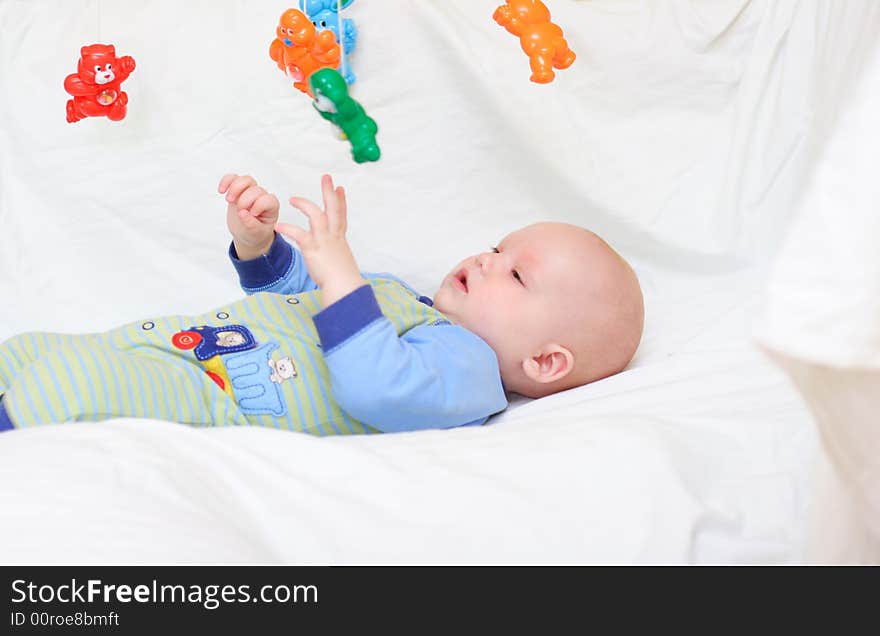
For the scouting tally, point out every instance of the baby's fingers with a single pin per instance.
(248, 221)
(249, 196)
(225, 181)
(239, 185)
(333, 205)
(328, 194)
(295, 232)
(266, 203)
(317, 218)
(342, 208)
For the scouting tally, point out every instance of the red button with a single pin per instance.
(186, 339)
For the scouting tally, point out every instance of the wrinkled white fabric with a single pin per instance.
(681, 134)
(821, 322)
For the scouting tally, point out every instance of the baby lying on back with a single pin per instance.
(319, 346)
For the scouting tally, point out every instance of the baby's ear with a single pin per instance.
(553, 362)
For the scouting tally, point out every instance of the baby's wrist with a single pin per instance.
(340, 287)
(248, 251)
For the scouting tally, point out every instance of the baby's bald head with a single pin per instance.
(605, 317)
(557, 304)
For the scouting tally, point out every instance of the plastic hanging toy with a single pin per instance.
(300, 50)
(541, 39)
(334, 104)
(96, 86)
(326, 15)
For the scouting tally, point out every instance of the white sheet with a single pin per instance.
(680, 134)
(821, 322)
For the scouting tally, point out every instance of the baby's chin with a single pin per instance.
(442, 307)
(445, 306)
(440, 300)
(455, 308)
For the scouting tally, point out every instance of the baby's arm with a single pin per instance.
(251, 215)
(430, 377)
(264, 261)
(281, 270)
(324, 248)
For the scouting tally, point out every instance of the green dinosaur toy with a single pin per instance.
(335, 105)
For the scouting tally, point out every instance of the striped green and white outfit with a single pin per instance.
(267, 367)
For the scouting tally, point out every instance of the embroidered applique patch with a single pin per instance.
(217, 372)
(282, 369)
(211, 341)
(250, 374)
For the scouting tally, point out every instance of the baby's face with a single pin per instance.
(512, 294)
(548, 283)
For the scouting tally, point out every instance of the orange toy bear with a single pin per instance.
(300, 50)
(541, 40)
(96, 84)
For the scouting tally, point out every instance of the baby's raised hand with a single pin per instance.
(251, 215)
(324, 247)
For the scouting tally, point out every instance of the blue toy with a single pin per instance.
(324, 15)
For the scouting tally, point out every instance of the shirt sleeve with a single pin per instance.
(437, 376)
(281, 270)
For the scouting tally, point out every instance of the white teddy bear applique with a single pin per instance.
(282, 370)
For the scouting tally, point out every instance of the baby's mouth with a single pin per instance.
(461, 280)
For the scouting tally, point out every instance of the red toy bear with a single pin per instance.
(300, 49)
(540, 39)
(95, 85)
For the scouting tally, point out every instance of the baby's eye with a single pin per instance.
(495, 249)
(516, 276)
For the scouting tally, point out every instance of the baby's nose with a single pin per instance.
(487, 261)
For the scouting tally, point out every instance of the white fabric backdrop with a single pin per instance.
(682, 134)
(821, 322)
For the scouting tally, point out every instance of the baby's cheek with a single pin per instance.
(527, 330)
(497, 318)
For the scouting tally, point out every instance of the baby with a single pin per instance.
(319, 346)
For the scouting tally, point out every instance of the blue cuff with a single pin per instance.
(347, 316)
(266, 269)
(5, 423)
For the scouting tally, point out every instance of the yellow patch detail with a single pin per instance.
(215, 365)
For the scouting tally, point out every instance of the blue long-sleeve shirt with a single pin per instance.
(436, 375)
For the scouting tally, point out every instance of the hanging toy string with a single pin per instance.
(341, 37)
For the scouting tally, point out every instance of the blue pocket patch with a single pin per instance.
(251, 378)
